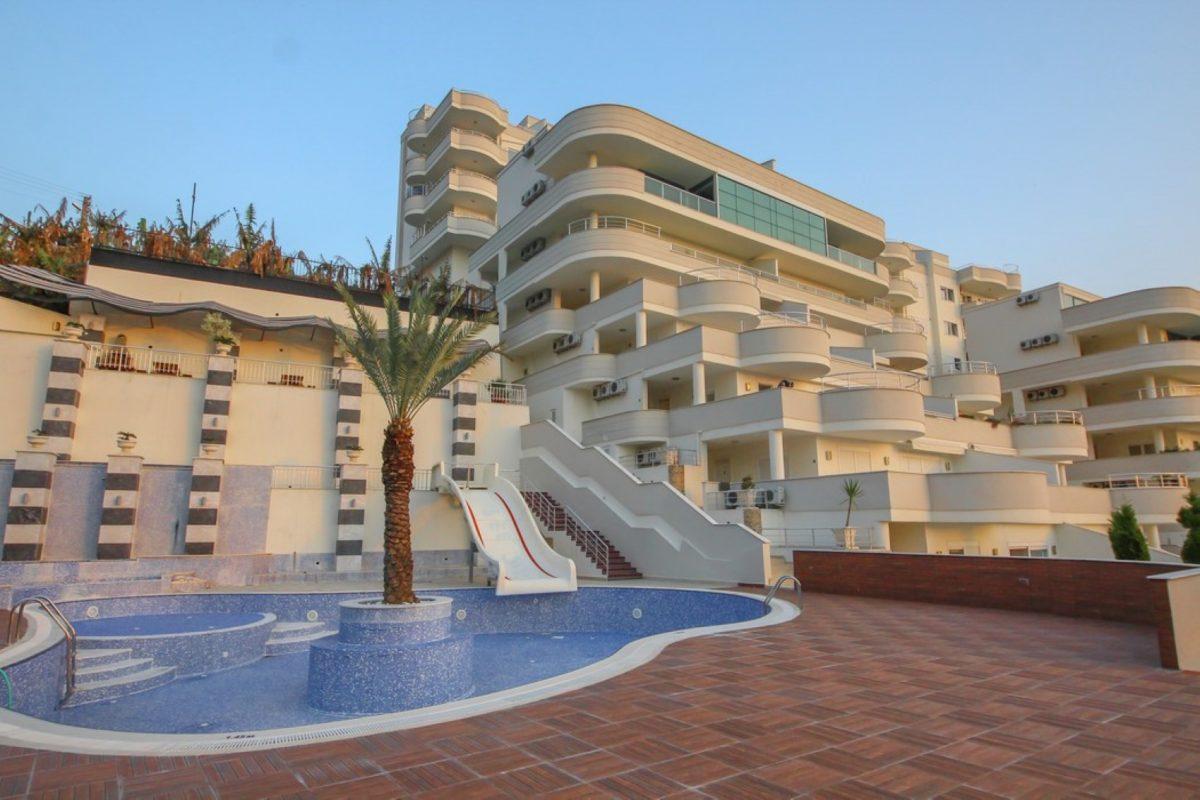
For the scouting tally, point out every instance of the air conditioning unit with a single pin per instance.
(533, 248)
(600, 391)
(1027, 298)
(618, 387)
(769, 498)
(1049, 338)
(1056, 391)
(649, 458)
(1046, 393)
(1026, 344)
(1031, 394)
(537, 299)
(527, 150)
(566, 342)
(533, 192)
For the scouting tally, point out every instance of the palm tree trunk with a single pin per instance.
(397, 525)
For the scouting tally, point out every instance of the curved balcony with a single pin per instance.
(720, 297)
(878, 405)
(452, 229)
(902, 342)
(1173, 307)
(792, 345)
(1178, 405)
(974, 384)
(587, 369)
(469, 151)
(901, 292)
(642, 427)
(897, 257)
(456, 189)
(462, 109)
(988, 281)
(1055, 435)
(539, 329)
(1179, 359)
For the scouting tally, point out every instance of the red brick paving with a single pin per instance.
(858, 698)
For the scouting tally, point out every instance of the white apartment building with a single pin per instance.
(1128, 364)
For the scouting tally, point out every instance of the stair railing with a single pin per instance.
(548, 509)
(17, 613)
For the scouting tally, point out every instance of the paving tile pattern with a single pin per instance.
(858, 698)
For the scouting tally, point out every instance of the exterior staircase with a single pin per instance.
(598, 549)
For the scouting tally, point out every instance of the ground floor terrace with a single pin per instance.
(856, 698)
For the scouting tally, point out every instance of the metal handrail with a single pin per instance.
(778, 583)
(589, 541)
(1048, 418)
(964, 368)
(17, 613)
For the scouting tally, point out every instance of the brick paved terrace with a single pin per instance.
(857, 698)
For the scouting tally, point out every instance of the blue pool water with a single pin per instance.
(158, 624)
(516, 640)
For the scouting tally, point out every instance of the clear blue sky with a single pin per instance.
(1060, 136)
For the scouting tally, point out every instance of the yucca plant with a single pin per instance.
(853, 491)
(409, 364)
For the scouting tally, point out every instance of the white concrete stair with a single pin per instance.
(117, 679)
(87, 657)
(294, 637)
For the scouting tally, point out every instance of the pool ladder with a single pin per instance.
(775, 589)
(17, 613)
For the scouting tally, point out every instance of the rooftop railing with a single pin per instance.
(1177, 390)
(683, 197)
(501, 392)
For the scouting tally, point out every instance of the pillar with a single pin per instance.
(502, 315)
(699, 390)
(593, 286)
(28, 505)
(122, 484)
(63, 384)
(208, 469)
(1148, 388)
(352, 512)
(639, 329)
(349, 410)
(1152, 535)
(775, 451)
(594, 220)
(464, 394)
(501, 265)
(591, 341)
(1160, 441)
(1018, 401)
(1143, 334)
(885, 536)
(593, 160)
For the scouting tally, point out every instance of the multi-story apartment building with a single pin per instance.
(673, 302)
(1129, 365)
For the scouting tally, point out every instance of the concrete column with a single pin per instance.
(122, 484)
(699, 390)
(593, 286)
(218, 389)
(593, 160)
(204, 503)
(501, 265)
(1152, 535)
(1148, 386)
(591, 341)
(1018, 401)
(1143, 333)
(349, 411)
(594, 220)
(639, 329)
(352, 510)
(1160, 440)
(29, 505)
(885, 536)
(464, 395)
(775, 451)
(502, 315)
(60, 410)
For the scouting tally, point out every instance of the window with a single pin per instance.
(761, 212)
(947, 293)
(1026, 551)
(1141, 449)
(951, 328)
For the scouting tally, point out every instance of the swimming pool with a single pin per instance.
(524, 648)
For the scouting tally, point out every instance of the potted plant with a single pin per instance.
(73, 330)
(126, 441)
(746, 496)
(847, 535)
(208, 448)
(220, 332)
(37, 438)
(354, 453)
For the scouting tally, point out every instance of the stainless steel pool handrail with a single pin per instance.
(17, 613)
(778, 583)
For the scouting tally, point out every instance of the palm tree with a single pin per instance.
(408, 365)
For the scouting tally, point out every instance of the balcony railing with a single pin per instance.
(503, 393)
(1178, 390)
(147, 360)
(423, 231)
(614, 223)
(873, 379)
(729, 272)
(852, 259)
(433, 187)
(777, 319)
(964, 368)
(897, 325)
(291, 477)
(681, 196)
(422, 480)
(284, 373)
(660, 457)
(820, 539)
(1049, 418)
(1142, 480)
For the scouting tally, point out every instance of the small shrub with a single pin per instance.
(1189, 517)
(1125, 534)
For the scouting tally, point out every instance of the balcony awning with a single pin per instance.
(34, 278)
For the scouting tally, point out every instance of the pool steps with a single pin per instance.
(293, 637)
(104, 673)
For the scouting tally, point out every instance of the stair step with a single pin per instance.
(95, 656)
(91, 674)
(95, 691)
(289, 630)
(294, 644)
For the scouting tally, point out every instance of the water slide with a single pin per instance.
(506, 532)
